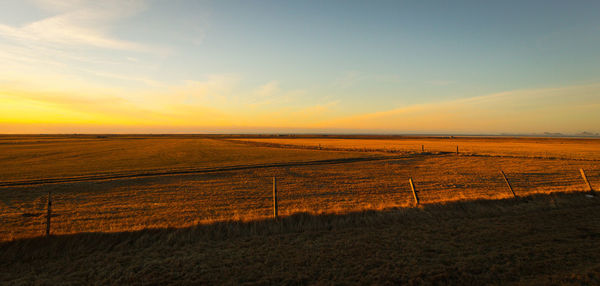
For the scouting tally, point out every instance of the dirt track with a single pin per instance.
(111, 176)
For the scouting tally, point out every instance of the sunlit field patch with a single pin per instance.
(246, 194)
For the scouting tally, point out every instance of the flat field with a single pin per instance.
(210, 191)
(553, 148)
(120, 184)
(36, 157)
(546, 241)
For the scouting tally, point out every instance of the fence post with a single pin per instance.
(414, 191)
(49, 213)
(274, 198)
(508, 184)
(422, 148)
(586, 181)
(456, 149)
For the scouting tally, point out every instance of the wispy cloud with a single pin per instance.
(269, 94)
(440, 82)
(78, 23)
(76, 42)
(347, 79)
(561, 109)
(19, 106)
(268, 89)
(351, 78)
(215, 100)
(214, 88)
(317, 109)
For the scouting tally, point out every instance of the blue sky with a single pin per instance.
(288, 66)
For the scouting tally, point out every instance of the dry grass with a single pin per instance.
(185, 200)
(35, 157)
(588, 149)
(548, 240)
(346, 223)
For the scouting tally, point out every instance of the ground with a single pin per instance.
(197, 209)
(542, 241)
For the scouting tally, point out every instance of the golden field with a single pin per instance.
(35, 157)
(545, 241)
(133, 203)
(555, 148)
(352, 194)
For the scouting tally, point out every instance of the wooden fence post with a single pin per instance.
(508, 184)
(414, 191)
(422, 148)
(586, 181)
(456, 149)
(274, 198)
(49, 214)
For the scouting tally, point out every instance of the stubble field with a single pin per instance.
(117, 184)
(208, 190)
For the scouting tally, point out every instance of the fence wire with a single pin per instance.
(186, 200)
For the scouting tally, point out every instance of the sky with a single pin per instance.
(407, 67)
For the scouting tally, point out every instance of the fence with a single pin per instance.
(241, 194)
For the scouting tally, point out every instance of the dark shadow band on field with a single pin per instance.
(420, 217)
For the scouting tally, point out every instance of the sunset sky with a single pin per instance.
(69, 66)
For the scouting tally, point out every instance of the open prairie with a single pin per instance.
(129, 183)
(37, 157)
(120, 184)
(555, 148)
(546, 241)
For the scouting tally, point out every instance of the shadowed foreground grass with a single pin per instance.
(544, 239)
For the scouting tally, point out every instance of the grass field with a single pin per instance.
(332, 186)
(586, 149)
(34, 157)
(546, 241)
(183, 200)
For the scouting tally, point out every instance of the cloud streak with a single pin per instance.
(79, 23)
(212, 102)
(563, 109)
